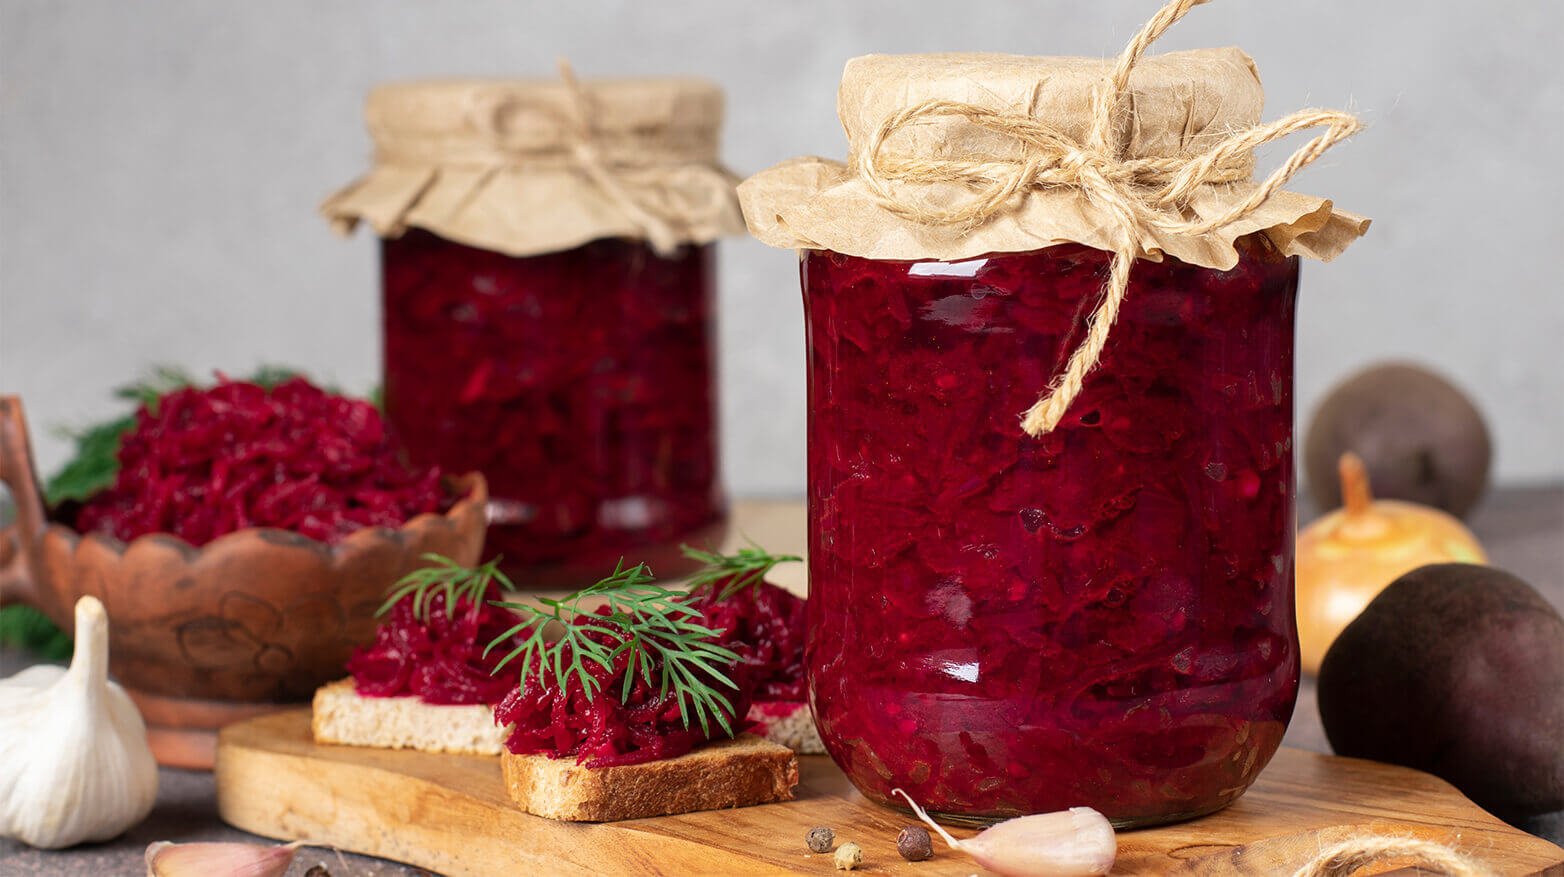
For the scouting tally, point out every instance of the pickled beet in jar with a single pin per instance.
(1050, 344)
(1100, 617)
(586, 378)
(548, 271)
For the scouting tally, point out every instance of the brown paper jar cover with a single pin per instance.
(499, 164)
(1180, 104)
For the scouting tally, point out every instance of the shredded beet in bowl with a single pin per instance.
(200, 463)
(1100, 617)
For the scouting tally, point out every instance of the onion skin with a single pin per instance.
(1348, 556)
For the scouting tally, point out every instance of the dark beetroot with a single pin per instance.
(578, 382)
(767, 625)
(1457, 669)
(605, 730)
(205, 462)
(439, 660)
(1102, 617)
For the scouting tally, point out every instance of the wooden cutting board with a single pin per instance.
(450, 814)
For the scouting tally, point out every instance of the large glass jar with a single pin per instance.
(1102, 616)
(579, 382)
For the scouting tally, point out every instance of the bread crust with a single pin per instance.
(740, 772)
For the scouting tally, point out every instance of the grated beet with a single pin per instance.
(605, 731)
(1102, 617)
(440, 660)
(205, 462)
(766, 624)
(580, 384)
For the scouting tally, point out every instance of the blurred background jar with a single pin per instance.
(548, 280)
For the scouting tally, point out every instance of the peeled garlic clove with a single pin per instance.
(1078, 842)
(166, 859)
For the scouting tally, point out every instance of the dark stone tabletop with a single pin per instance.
(1522, 529)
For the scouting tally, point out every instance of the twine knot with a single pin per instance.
(1139, 195)
(587, 156)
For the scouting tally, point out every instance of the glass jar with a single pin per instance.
(1102, 616)
(579, 382)
(548, 268)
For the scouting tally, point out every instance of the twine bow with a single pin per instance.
(1139, 195)
(585, 154)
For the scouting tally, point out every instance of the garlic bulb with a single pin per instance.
(74, 762)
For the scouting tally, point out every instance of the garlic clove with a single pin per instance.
(74, 760)
(1078, 842)
(166, 859)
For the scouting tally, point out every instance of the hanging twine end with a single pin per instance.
(1044, 416)
(567, 73)
(658, 231)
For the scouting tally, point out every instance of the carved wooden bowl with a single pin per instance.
(251, 622)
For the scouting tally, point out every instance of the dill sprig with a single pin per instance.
(445, 576)
(643, 621)
(742, 569)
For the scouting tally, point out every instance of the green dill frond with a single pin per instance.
(445, 576)
(742, 569)
(647, 624)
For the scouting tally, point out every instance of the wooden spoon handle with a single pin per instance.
(19, 542)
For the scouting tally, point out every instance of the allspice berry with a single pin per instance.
(848, 856)
(914, 844)
(820, 839)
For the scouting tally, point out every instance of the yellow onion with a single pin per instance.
(1348, 556)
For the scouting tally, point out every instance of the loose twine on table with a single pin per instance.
(1139, 195)
(1346, 857)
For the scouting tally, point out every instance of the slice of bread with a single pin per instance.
(342, 715)
(729, 773)
(788, 722)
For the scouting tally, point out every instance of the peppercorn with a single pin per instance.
(317, 871)
(914, 844)
(820, 839)
(848, 856)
